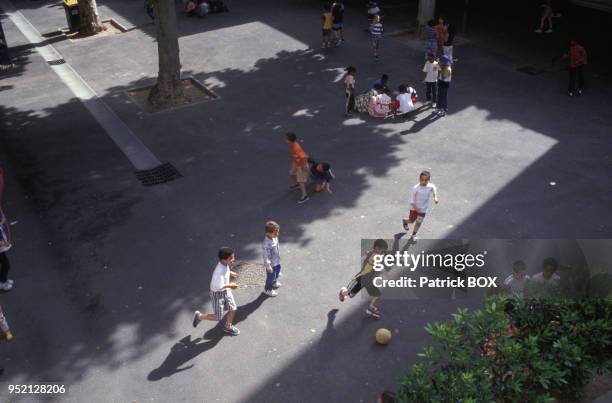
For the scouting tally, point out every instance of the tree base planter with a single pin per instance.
(111, 27)
(193, 93)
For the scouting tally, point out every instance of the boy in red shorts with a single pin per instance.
(419, 202)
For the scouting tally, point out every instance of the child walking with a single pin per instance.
(419, 203)
(365, 279)
(271, 258)
(327, 26)
(349, 84)
(299, 166)
(221, 294)
(431, 78)
(376, 30)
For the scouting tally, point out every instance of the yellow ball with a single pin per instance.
(383, 336)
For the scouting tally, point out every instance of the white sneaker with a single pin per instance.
(548, 31)
(538, 31)
(434, 105)
(270, 293)
(6, 286)
(276, 284)
(342, 294)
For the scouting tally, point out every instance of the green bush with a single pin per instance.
(514, 350)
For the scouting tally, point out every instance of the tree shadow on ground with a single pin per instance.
(234, 180)
(186, 349)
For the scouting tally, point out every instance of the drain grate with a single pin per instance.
(56, 62)
(158, 175)
(532, 71)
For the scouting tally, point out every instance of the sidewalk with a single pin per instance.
(128, 264)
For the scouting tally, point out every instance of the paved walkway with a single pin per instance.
(118, 268)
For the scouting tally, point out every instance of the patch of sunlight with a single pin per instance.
(305, 112)
(214, 82)
(226, 49)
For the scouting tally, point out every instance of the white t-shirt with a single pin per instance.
(420, 196)
(432, 71)
(405, 103)
(220, 277)
(349, 82)
(516, 285)
(539, 278)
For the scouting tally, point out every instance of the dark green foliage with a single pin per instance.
(514, 350)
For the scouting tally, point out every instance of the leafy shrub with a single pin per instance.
(514, 350)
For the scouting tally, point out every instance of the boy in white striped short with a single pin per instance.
(221, 295)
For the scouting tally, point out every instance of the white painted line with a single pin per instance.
(138, 154)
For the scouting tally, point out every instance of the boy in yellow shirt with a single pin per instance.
(327, 26)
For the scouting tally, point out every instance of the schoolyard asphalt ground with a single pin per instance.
(108, 272)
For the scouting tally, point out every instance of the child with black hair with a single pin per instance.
(349, 83)
(419, 202)
(299, 166)
(221, 293)
(365, 279)
(515, 282)
(548, 274)
(322, 174)
(338, 18)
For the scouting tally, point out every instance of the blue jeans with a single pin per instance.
(272, 277)
(443, 95)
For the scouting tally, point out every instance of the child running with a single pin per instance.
(271, 258)
(299, 166)
(376, 30)
(221, 293)
(419, 203)
(327, 26)
(365, 279)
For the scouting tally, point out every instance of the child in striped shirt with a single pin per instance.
(377, 30)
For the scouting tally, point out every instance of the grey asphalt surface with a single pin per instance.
(107, 272)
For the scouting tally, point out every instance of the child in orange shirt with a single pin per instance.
(299, 166)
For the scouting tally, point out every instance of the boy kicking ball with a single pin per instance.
(365, 279)
(419, 203)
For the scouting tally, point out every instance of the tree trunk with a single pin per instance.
(168, 88)
(90, 23)
(5, 64)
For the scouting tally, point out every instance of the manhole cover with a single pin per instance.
(532, 71)
(158, 175)
(249, 274)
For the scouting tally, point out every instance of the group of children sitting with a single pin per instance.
(378, 102)
(201, 8)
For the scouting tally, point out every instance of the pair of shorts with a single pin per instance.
(337, 26)
(414, 216)
(376, 41)
(300, 173)
(222, 302)
(366, 281)
(326, 32)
